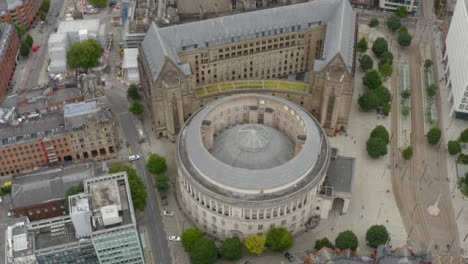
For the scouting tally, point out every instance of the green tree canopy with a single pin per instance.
(42, 15)
(20, 30)
(133, 93)
(137, 187)
(366, 62)
(386, 57)
(136, 108)
(386, 70)
(393, 23)
(98, 3)
(386, 109)
(84, 54)
(382, 133)
(362, 45)
(464, 136)
(401, 12)
(279, 239)
(25, 49)
(384, 95)
(431, 90)
(402, 28)
(405, 111)
(406, 94)
(427, 64)
(45, 6)
(463, 184)
(433, 136)
(377, 235)
(189, 237)
(373, 22)
(462, 159)
(372, 79)
(162, 183)
(231, 249)
(321, 243)
(29, 40)
(156, 164)
(404, 39)
(407, 152)
(453, 147)
(204, 251)
(255, 244)
(369, 101)
(376, 147)
(72, 191)
(379, 46)
(346, 240)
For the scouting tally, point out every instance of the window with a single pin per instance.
(260, 227)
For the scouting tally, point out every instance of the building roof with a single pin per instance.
(162, 43)
(130, 58)
(304, 169)
(50, 185)
(78, 114)
(6, 30)
(77, 25)
(340, 174)
(6, 5)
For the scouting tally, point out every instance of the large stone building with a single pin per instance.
(101, 228)
(251, 162)
(9, 46)
(183, 67)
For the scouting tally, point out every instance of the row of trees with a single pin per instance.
(204, 251)
(376, 145)
(136, 107)
(44, 9)
(454, 147)
(376, 235)
(157, 166)
(394, 23)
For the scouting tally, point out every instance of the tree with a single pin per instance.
(377, 235)
(98, 3)
(382, 133)
(404, 38)
(368, 101)
(25, 48)
(463, 184)
(20, 30)
(45, 6)
(427, 64)
(386, 57)
(431, 90)
(401, 12)
(321, 243)
(279, 239)
(162, 183)
(407, 152)
(189, 237)
(405, 111)
(42, 16)
(136, 108)
(362, 45)
(231, 249)
(462, 159)
(374, 22)
(72, 191)
(406, 94)
(137, 187)
(402, 28)
(464, 136)
(453, 147)
(29, 40)
(6, 187)
(433, 136)
(386, 109)
(84, 54)
(379, 46)
(156, 164)
(346, 240)
(372, 79)
(375, 147)
(393, 23)
(366, 62)
(383, 94)
(133, 93)
(255, 244)
(386, 70)
(204, 251)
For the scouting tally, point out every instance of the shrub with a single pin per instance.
(427, 64)
(393, 23)
(321, 243)
(405, 111)
(407, 153)
(231, 249)
(362, 45)
(462, 159)
(386, 70)
(433, 136)
(379, 46)
(375, 147)
(373, 22)
(368, 101)
(386, 57)
(382, 133)
(464, 136)
(401, 12)
(189, 237)
(406, 94)
(453, 147)
(366, 62)
(255, 244)
(204, 251)
(346, 240)
(386, 109)
(384, 95)
(404, 38)
(133, 93)
(372, 79)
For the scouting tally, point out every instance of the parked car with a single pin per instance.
(168, 213)
(289, 257)
(133, 157)
(174, 238)
(10, 213)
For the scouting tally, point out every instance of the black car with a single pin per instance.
(289, 257)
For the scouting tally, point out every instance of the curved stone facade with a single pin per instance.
(252, 187)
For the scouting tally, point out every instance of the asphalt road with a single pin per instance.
(160, 250)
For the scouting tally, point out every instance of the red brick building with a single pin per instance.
(23, 12)
(9, 45)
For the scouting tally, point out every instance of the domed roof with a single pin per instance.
(253, 138)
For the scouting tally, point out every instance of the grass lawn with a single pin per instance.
(256, 84)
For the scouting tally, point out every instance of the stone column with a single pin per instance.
(336, 110)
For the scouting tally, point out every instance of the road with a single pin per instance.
(420, 182)
(160, 250)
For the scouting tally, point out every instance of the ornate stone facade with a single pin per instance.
(317, 42)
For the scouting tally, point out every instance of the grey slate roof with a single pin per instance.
(340, 174)
(162, 43)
